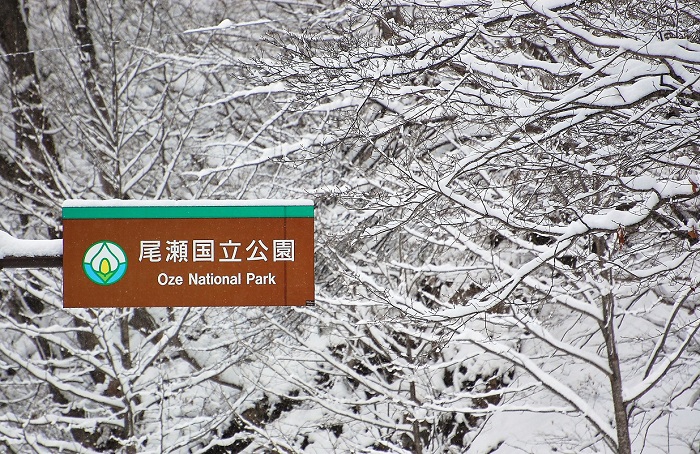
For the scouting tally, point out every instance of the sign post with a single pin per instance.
(193, 253)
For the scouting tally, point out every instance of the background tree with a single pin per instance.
(31, 167)
(547, 152)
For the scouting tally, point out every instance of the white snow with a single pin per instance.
(186, 203)
(14, 247)
(227, 24)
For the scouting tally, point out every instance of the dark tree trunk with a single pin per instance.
(102, 120)
(33, 139)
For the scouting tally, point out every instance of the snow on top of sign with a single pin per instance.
(186, 203)
(14, 247)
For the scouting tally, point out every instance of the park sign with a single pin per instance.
(188, 253)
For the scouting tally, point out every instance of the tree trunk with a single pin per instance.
(415, 426)
(32, 128)
(101, 119)
(607, 327)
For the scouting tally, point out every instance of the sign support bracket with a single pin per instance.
(42, 261)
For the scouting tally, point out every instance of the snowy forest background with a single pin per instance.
(506, 223)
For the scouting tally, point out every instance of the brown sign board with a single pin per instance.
(223, 253)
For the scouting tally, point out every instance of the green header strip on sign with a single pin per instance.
(188, 212)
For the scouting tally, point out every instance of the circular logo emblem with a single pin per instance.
(104, 262)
